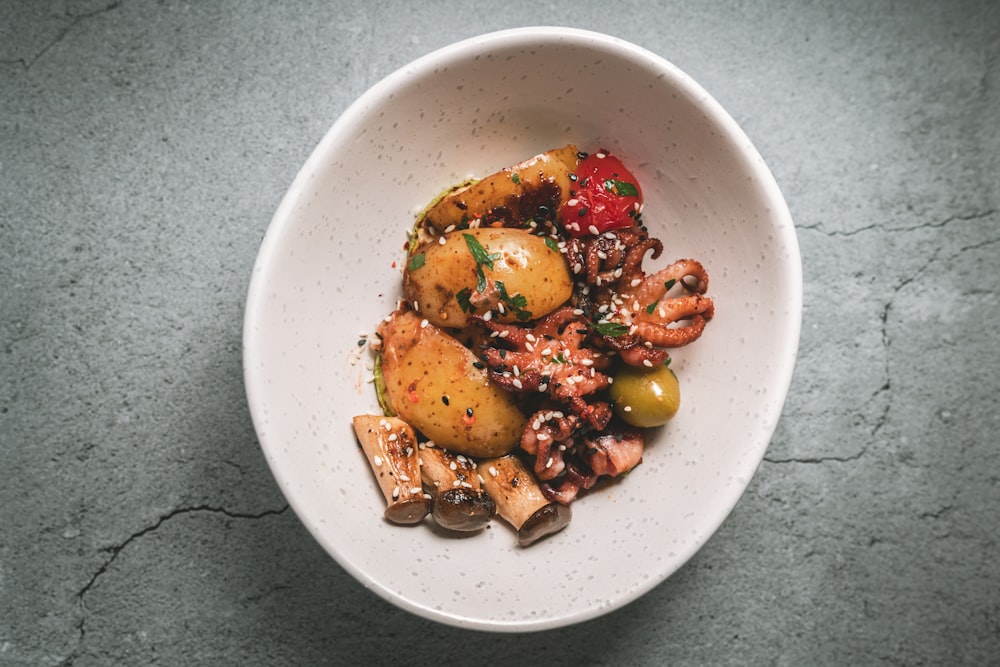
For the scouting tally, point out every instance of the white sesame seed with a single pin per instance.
(395, 493)
(377, 460)
(627, 408)
(449, 228)
(593, 230)
(587, 362)
(578, 311)
(573, 202)
(578, 267)
(548, 464)
(598, 281)
(600, 156)
(404, 478)
(517, 371)
(542, 388)
(618, 272)
(517, 383)
(487, 316)
(543, 437)
(504, 333)
(647, 363)
(393, 437)
(529, 347)
(635, 282)
(416, 307)
(602, 254)
(453, 465)
(466, 485)
(416, 490)
(424, 323)
(456, 483)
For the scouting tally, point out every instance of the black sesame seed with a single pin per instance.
(468, 411)
(478, 364)
(582, 212)
(444, 399)
(582, 155)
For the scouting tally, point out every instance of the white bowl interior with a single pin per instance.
(329, 269)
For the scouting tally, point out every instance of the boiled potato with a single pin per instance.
(433, 383)
(646, 397)
(511, 272)
(537, 187)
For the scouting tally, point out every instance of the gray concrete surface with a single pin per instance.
(143, 148)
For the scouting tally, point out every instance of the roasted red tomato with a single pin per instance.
(606, 196)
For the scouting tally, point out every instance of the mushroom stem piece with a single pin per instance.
(520, 501)
(459, 500)
(391, 447)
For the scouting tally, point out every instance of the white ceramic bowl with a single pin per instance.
(329, 269)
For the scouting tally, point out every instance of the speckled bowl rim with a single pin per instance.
(355, 113)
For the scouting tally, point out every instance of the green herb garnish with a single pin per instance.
(621, 188)
(515, 179)
(551, 243)
(463, 297)
(416, 262)
(482, 258)
(612, 329)
(516, 303)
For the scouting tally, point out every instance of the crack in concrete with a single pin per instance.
(116, 549)
(886, 387)
(27, 62)
(935, 224)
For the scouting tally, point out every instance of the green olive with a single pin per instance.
(646, 396)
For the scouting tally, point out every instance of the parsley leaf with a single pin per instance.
(416, 262)
(515, 179)
(612, 329)
(482, 258)
(516, 302)
(463, 300)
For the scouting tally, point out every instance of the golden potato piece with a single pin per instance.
(537, 187)
(511, 272)
(437, 385)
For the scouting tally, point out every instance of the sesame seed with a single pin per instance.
(578, 311)
(393, 437)
(449, 228)
(504, 333)
(416, 307)
(593, 230)
(416, 490)
(573, 202)
(487, 316)
(529, 347)
(543, 387)
(456, 483)
(404, 478)
(543, 437)
(517, 383)
(587, 362)
(493, 471)
(600, 156)
(578, 267)
(453, 465)
(548, 464)
(424, 323)
(627, 408)
(395, 493)
(377, 460)
(635, 282)
(647, 363)
(441, 240)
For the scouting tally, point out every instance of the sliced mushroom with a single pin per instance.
(391, 447)
(459, 501)
(520, 501)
